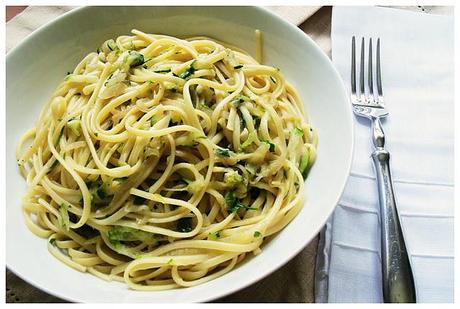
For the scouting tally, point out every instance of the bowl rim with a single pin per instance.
(292, 253)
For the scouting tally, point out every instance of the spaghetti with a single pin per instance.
(163, 162)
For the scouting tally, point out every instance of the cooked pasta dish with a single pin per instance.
(164, 162)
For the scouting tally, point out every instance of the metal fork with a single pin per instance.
(397, 278)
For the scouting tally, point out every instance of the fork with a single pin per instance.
(397, 278)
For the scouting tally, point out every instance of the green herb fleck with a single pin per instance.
(303, 166)
(298, 131)
(272, 146)
(112, 45)
(108, 46)
(64, 220)
(134, 58)
(238, 100)
(53, 241)
(257, 234)
(233, 204)
(162, 71)
(124, 233)
(213, 236)
(189, 72)
(222, 152)
(233, 178)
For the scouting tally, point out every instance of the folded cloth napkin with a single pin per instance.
(418, 84)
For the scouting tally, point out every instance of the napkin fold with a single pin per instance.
(417, 56)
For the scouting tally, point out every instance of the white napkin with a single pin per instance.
(418, 75)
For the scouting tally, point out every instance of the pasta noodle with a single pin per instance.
(163, 162)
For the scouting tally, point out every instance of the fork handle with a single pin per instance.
(397, 279)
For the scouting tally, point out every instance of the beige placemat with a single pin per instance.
(294, 282)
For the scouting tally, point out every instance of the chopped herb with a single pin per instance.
(272, 146)
(53, 241)
(138, 200)
(273, 80)
(233, 204)
(257, 234)
(189, 72)
(112, 45)
(298, 131)
(162, 71)
(153, 121)
(134, 58)
(171, 261)
(184, 225)
(238, 66)
(98, 193)
(233, 178)
(213, 236)
(222, 152)
(303, 166)
(124, 233)
(238, 100)
(108, 46)
(187, 181)
(64, 220)
(252, 137)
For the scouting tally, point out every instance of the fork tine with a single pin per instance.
(379, 72)
(353, 66)
(369, 71)
(361, 70)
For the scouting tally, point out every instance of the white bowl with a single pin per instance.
(35, 67)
